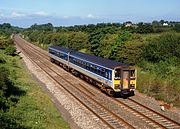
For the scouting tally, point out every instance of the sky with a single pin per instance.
(24, 13)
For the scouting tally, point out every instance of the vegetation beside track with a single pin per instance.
(23, 103)
(153, 48)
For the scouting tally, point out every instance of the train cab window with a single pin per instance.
(117, 74)
(132, 73)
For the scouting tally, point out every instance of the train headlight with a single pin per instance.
(132, 86)
(116, 86)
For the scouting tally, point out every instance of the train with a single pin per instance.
(110, 76)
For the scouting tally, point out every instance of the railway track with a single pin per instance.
(105, 115)
(149, 116)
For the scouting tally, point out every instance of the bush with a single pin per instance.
(2, 60)
(10, 50)
(162, 48)
(177, 27)
(8, 122)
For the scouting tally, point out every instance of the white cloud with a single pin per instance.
(66, 17)
(41, 13)
(17, 14)
(25, 14)
(90, 16)
(1, 14)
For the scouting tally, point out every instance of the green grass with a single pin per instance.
(34, 108)
(166, 89)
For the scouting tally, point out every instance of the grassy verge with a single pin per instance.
(34, 108)
(166, 89)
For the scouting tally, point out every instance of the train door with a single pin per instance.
(125, 79)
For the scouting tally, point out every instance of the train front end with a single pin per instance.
(125, 80)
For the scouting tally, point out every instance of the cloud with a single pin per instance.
(90, 16)
(17, 14)
(41, 13)
(1, 14)
(66, 17)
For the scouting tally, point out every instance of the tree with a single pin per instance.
(144, 28)
(42, 27)
(78, 40)
(120, 41)
(155, 23)
(177, 27)
(106, 45)
(162, 48)
(131, 52)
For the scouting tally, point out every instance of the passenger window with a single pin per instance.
(98, 71)
(106, 73)
(88, 67)
(95, 69)
(110, 74)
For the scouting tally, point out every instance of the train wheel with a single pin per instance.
(110, 92)
(52, 60)
(131, 93)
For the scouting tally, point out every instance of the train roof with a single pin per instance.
(94, 59)
(63, 49)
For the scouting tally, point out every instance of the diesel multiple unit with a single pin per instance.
(109, 75)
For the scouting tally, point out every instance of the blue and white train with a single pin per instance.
(109, 75)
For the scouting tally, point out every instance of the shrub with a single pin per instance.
(2, 60)
(162, 48)
(10, 50)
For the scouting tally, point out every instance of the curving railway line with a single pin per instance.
(107, 109)
(108, 117)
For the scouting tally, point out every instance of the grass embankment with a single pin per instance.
(33, 107)
(165, 89)
(159, 72)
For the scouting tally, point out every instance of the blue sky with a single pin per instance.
(24, 13)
